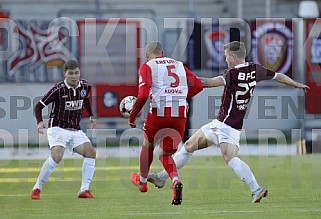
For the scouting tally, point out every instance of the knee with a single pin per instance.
(227, 158)
(57, 158)
(189, 147)
(91, 153)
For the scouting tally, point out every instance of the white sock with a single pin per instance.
(88, 169)
(142, 179)
(47, 168)
(181, 158)
(174, 179)
(243, 171)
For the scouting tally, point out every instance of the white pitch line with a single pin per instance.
(193, 212)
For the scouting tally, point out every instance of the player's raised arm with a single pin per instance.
(283, 79)
(212, 82)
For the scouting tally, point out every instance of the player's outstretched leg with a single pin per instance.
(88, 169)
(181, 158)
(47, 168)
(177, 197)
(244, 172)
(154, 179)
(135, 178)
(259, 194)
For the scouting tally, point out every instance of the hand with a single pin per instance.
(132, 124)
(303, 86)
(93, 122)
(40, 127)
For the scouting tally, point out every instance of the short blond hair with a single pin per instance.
(154, 48)
(237, 48)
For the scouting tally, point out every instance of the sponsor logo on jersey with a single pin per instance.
(74, 104)
(242, 106)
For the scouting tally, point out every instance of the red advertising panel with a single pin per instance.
(312, 65)
(109, 96)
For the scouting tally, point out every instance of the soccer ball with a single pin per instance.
(126, 105)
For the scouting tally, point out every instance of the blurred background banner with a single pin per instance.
(312, 65)
(206, 46)
(272, 44)
(40, 48)
(108, 50)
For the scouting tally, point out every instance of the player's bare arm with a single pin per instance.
(282, 78)
(92, 121)
(212, 82)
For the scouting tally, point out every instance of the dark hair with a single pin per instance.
(70, 64)
(237, 48)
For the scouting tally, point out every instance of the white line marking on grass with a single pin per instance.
(64, 169)
(51, 179)
(14, 195)
(193, 212)
(73, 169)
(309, 210)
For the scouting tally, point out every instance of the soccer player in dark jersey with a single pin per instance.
(239, 81)
(68, 99)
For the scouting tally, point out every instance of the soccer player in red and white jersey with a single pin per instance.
(68, 98)
(170, 84)
(239, 82)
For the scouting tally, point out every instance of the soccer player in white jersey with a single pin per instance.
(239, 81)
(68, 98)
(170, 84)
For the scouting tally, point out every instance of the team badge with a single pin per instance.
(272, 46)
(83, 93)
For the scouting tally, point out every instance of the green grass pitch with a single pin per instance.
(211, 190)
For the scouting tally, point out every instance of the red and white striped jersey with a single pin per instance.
(169, 83)
(169, 87)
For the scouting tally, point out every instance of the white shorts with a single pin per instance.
(218, 132)
(66, 138)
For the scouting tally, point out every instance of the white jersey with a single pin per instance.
(169, 86)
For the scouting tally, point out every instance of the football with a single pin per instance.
(126, 105)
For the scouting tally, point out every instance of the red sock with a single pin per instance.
(145, 160)
(169, 165)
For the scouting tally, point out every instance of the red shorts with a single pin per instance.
(169, 130)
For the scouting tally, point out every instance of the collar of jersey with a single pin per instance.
(68, 86)
(242, 65)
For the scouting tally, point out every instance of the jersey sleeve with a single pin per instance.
(144, 84)
(263, 73)
(88, 92)
(227, 77)
(50, 96)
(194, 84)
(145, 76)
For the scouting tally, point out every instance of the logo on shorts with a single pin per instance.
(83, 93)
